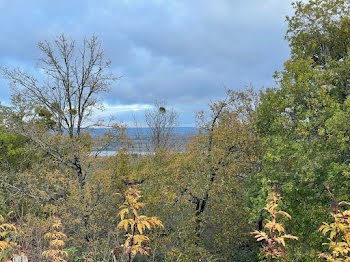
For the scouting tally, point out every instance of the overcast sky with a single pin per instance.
(180, 51)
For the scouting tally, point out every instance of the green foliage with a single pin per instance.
(16, 152)
(320, 29)
(303, 123)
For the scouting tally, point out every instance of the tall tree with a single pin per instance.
(162, 122)
(319, 29)
(303, 120)
(200, 193)
(64, 92)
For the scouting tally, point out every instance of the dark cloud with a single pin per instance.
(180, 51)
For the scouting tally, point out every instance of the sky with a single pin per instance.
(184, 52)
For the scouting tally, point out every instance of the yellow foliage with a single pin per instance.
(274, 240)
(7, 245)
(136, 241)
(56, 242)
(339, 235)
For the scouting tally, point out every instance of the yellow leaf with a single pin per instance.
(139, 228)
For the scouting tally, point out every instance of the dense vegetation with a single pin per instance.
(61, 201)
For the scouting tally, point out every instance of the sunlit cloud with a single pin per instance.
(118, 109)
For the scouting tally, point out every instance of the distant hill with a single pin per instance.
(142, 138)
(146, 131)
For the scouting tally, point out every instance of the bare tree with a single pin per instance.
(65, 90)
(162, 123)
(139, 139)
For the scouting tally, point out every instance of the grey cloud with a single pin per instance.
(181, 51)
